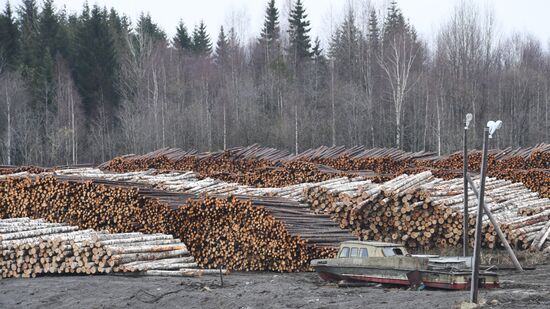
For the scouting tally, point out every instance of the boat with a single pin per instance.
(388, 263)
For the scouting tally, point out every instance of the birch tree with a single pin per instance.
(397, 58)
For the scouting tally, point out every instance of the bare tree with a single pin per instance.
(8, 116)
(397, 61)
(65, 121)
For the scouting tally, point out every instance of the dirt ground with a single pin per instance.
(256, 290)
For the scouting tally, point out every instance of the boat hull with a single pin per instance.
(431, 279)
(374, 275)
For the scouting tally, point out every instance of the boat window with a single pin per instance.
(364, 252)
(354, 252)
(389, 251)
(344, 252)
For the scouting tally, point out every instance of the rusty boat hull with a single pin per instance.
(336, 271)
(387, 263)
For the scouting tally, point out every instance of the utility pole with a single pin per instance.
(465, 227)
(488, 132)
(479, 222)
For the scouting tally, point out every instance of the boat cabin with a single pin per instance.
(366, 249)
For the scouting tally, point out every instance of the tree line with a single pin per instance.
(87, 86)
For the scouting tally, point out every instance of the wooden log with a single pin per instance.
(146, 256)
(112, 250)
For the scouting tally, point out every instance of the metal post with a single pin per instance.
(221, 276)
(465, 224)
(477, 246)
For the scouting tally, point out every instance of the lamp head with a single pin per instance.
(493, 127)
(469, 118)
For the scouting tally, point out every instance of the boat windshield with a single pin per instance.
(344, 253)
(392, 251)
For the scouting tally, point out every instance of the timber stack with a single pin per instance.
(31, 248)
(338, 198)
(244, 233)
(184, 182)
(423, 211)
(253, 172)
(11, 169)
(244, 237)
(530, 166)
(83, 204)
(268, 167)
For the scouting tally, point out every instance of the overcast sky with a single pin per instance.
(247, 15)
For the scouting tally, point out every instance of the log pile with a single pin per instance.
(244, 233)
(530, 166)
(254, 217)
(244, 237)
(337, 197)
(258, 173)
(11, 169)
(83, 204)
(31, 248)
(537, 180)
(184, 182)
(361, 152)
(267, 167)
(536, 157)
(425, 212)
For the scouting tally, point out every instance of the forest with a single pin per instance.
(83, 87)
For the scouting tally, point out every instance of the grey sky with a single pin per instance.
(247, 15)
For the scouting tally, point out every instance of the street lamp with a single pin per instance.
(492, 127)
(467, 121)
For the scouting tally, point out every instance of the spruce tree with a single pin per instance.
(50, 45)
(373, 45)
(373, 34)
(9, 38)
(120, 29)
(300, 42)
(201, 40)
(182, 40)
(394, 23)
(147, 28)
(222, 46)
(270, 31)
(96, 63)
(30, 49)
(317, 51)
(49, 28)
(345, 48)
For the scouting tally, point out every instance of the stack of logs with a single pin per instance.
(185, 182)
(219, 231)
(83, 204)
(266, 167)
(30, 248)
(338, 197)
(530, 166)
(252, 172)
(425, 212)
(11, 169)
(235, 234)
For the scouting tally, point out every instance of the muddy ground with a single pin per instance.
(256, 290)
